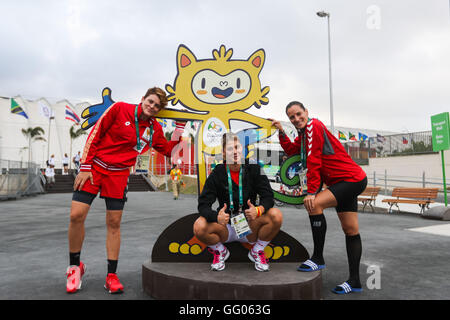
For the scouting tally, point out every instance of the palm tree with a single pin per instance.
(33, 134)
(74, 134)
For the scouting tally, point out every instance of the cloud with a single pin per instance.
(389, 59)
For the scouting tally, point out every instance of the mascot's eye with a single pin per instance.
(238, 83)
(203, 83)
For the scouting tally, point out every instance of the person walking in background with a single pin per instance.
(51, 161)
(76, 161)
(65, 163)
(175, 177)
(50, 175)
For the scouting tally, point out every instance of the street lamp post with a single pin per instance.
(324, 14)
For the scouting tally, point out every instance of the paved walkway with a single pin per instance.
(399, 261)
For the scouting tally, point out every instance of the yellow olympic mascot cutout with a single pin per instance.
(217, 92)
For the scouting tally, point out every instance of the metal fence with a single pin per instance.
(389, 181)
(19, 178)
(390, 146)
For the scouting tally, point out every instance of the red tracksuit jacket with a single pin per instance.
(112, 143)
(326, 160)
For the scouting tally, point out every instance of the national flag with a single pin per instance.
(404, 140)
(72, 115)
(362, 136)
(351, 136)
(45, 110)
(380, 138)
(16, 109)
(342, 136)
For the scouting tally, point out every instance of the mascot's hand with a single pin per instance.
(94, 112)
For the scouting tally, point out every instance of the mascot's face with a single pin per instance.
(210, 87)
(228, 85)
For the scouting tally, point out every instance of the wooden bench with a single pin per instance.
(421, 196)
(368, 196)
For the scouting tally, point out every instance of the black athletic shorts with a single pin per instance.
(111, 203)
(346, 194)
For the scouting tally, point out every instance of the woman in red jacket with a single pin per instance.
(122, 133)
(327, 162)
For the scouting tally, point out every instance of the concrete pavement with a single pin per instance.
(397, 263)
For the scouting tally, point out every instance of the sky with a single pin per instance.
(390, 60)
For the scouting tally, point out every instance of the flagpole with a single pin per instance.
(48, 140)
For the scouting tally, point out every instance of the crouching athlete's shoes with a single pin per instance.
(260, 260)
(219, 259)
(113, 284)
(74, 274)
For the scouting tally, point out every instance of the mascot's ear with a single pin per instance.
(257, 59)
(185, 57)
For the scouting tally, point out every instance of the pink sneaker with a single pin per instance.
(260, 260)
(74, 275)
(112, 283)
(219, 259)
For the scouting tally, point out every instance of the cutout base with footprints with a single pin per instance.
(179, 268)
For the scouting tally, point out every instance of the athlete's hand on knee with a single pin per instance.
(81, 179)
(309, 202)
(222, 216)
(250, 213)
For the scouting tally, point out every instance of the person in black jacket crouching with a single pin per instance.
(236, 185)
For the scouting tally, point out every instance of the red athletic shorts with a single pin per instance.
(111, 184)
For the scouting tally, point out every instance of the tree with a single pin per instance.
(33, 134)
(74, 134)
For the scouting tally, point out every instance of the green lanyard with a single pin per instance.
(303, 151)
(303, 147)
(136, 123)
(230, 190)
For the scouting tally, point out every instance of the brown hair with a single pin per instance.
(294, 103)
(228, 137)
(160, 93)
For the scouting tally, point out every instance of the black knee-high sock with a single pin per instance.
(354, 251)
(319, 229)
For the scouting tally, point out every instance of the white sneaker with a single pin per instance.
(260, 260)
(219, 259)
(74, 275)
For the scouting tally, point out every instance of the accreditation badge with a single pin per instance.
(143, 144)
(146, 134)
(303, 181)
(240, 225)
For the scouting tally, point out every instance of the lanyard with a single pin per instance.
(303, 148)
(136, 123)
(230, 190)
(303, 151)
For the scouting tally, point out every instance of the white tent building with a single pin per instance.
(13, 143)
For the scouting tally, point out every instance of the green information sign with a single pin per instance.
(440, 129)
